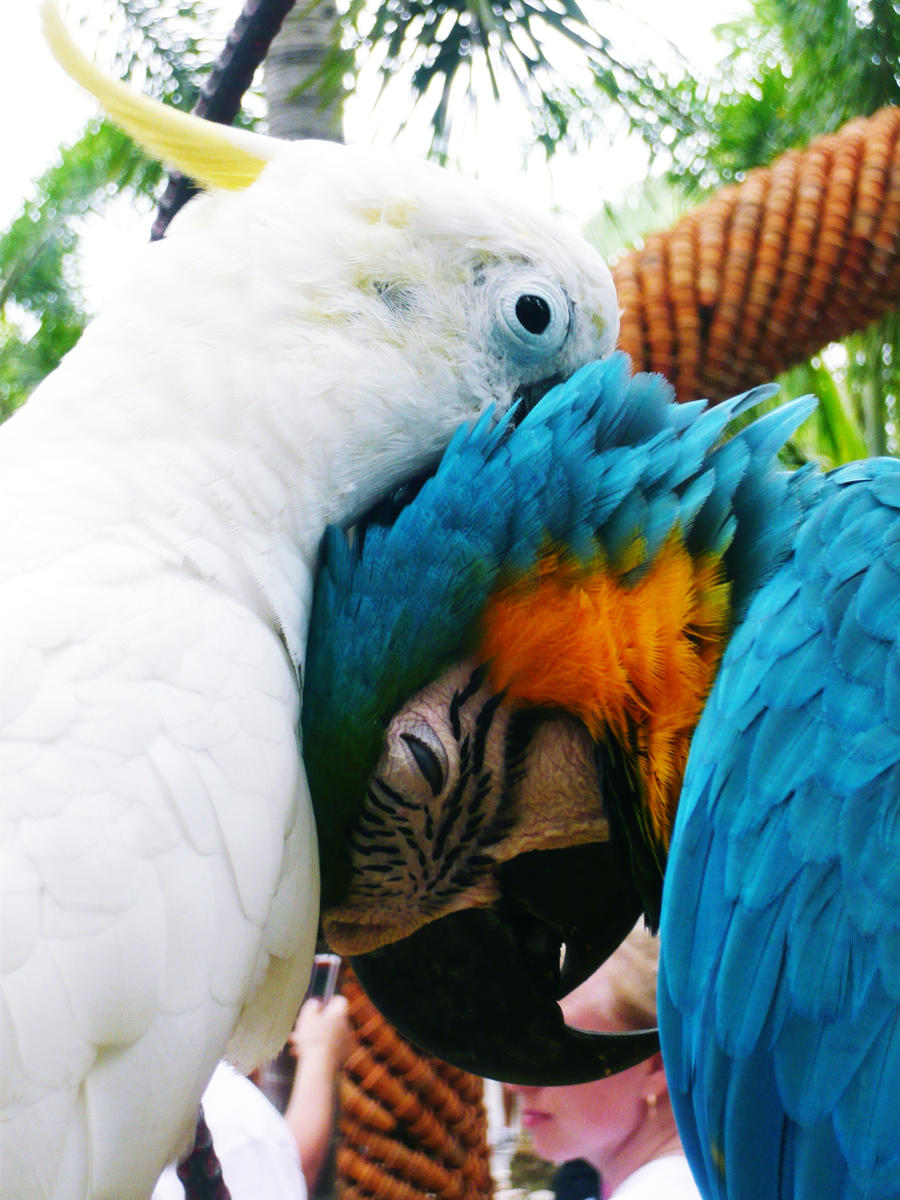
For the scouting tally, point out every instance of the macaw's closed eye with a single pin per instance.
(430, 760)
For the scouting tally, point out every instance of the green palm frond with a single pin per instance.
(441, 47)
(42, 311)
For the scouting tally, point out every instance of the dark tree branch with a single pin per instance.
(220, 99)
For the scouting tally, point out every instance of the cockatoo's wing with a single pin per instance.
(780, 989)
(162, 858)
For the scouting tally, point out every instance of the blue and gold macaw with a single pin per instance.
(780, 965)
(614, 643)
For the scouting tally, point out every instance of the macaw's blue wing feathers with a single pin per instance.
(768, 503)
(715, 523)
(768, 433)
(779, 989)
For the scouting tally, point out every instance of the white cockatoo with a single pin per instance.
(310, 332)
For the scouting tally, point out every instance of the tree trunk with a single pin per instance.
(308, 32)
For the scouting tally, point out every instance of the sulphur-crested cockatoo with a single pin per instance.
(310, 332)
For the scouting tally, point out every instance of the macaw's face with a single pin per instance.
(484, 887)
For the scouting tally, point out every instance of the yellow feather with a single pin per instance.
(214, 155)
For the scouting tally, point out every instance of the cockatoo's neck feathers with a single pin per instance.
(214, 155)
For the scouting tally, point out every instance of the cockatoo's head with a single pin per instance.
(370, 289)
(421, 288)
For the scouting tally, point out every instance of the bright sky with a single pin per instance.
(41, 108)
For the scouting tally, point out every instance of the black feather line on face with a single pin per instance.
(483, 724)
(395, 798)
(629, 829)
(460, 698)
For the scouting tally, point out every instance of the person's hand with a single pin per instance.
(323, 1030)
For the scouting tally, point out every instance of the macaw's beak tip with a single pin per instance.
(479, 988)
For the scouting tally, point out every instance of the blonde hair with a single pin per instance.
(631, 973)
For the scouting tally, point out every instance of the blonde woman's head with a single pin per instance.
(621, 994)
(619, 1123)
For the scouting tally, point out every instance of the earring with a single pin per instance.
(650, 1100)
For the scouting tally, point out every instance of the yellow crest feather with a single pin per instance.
(214, 155)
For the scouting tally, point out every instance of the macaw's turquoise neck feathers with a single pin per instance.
(606, 469)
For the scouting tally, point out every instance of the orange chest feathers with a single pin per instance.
(635, 661)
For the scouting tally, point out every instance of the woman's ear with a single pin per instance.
(656, 1076)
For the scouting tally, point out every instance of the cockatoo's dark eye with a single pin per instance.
(533, 313)
(534, 317)
(431, 761)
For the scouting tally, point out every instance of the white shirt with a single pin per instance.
(666, 1178)
(258, 1154)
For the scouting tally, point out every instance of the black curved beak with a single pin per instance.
(479, 988)
(527, 396)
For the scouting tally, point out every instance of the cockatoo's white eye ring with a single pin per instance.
(534, 317)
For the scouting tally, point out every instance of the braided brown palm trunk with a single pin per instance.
(412, 1127)
(769, 271)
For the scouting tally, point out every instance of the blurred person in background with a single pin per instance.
(262, 1153)
(623, 1125)
(322, 1041)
